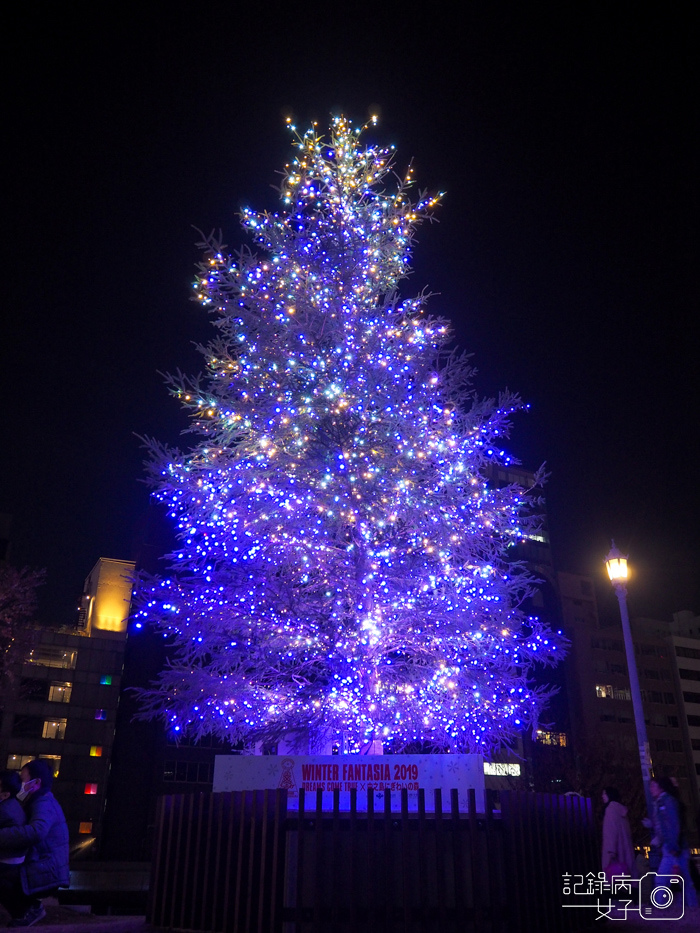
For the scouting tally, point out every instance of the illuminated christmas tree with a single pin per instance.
(344, 569)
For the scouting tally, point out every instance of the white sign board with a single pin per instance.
(360, 772)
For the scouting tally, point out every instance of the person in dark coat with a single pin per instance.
(44, 838)
(11, 814)
(668, 823)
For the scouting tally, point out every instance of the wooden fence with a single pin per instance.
(240, 862)
(219, 862)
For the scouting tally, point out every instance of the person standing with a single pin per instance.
(618, 851)
(44, 838)
(675, 852)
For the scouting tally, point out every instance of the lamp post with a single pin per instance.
(616, 563)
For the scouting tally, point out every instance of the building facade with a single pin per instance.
(667, 657)
(685, 639)
(65, 707)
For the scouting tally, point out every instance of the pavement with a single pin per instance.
(61, 919)
(634, 923)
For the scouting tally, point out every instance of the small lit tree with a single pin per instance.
(344, 564)
(18, 599)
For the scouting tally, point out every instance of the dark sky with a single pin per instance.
(566, 253)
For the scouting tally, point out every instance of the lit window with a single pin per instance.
(551, 738)
(188, 771)
(49, 656)
(85, 828)
(604, 690)
(17, 762)
(539, 537)
(95, 751)
(54, 761)
(106, 679)
(91, 788)
(60, 693)
(54, 729)
(100, 714)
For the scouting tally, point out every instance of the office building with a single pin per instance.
(65, 706)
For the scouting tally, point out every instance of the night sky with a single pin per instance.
(566, 252)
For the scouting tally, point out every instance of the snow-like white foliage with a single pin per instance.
(344, 561)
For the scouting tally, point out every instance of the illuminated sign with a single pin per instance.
(501, 769)
(344, 773)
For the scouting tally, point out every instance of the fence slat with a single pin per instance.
(300, 862)
(441, 887)
(182, 830)
(387, 906)
(319, 899)
(493, 856)
(474, 860)
(262, 862)
(336, 866)
(159, 878)
(373, 925)
(232, 809)
(513, 846)
(422, 863)
(352, 862)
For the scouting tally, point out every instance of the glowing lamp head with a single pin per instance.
(616, 563)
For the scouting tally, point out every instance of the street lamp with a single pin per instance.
(616, 563)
